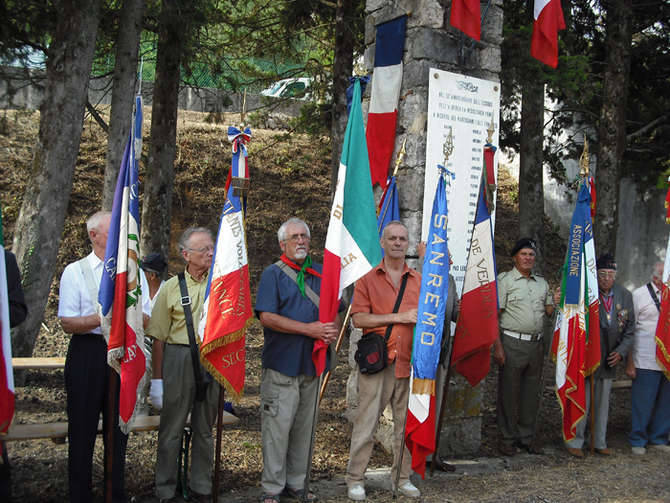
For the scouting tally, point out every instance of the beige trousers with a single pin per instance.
(374, 393)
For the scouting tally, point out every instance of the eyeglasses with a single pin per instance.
(606, 274)
(297, 237)
(204, 249)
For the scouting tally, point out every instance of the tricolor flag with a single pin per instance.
(389, 208)
(120, 296)
(227, 307)
(576, 343)
(663, 326)
(383, 111)
(420, 428)
(466, 16)
(6, 371)
(477, 326)
(548, 16)
(352, 245)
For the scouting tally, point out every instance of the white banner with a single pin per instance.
(466, 105)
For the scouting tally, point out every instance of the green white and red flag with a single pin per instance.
(352, 242)
(6, 371)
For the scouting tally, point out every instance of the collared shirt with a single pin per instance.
(646, 319)
(375, 293)
(74, 299)
(168, 323)
(522, 301)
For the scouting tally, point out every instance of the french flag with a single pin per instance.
(383, 111)
(120, 296)
(6, 372)
(548, 16)
(466, 16)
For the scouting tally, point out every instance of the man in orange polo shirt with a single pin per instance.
(372, 310)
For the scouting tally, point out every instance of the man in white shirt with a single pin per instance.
(86, 369)
(650, 397)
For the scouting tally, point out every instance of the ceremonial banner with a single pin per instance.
(389, 208)
(466, 16)
(383, 111)
(6, 371)
(227, 307)
(569, 347)
(548, 16)
(477, 326)
(663, 326)
(420, 428)
(352, 245)
(464, 106)
(120, 295)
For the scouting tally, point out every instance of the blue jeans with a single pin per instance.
(650, 414)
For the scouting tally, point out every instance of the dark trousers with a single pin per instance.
(86, 384)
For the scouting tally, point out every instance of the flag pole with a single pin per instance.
(338, 345)
(217, 460)
(112, 384)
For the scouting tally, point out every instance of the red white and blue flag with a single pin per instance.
(352, 245)
(227, 307)
(120, 295)
(386, 83)
(389, 207)
(6, 371)
(427, 343)
(477, 326)
(548, 15)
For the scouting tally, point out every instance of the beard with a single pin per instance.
(301, 253)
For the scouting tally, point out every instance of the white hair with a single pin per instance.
(281, 233)
(94, 220)
(186, 235)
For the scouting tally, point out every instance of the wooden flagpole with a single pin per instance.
(217, 460)
(338, 345)
(112, 392)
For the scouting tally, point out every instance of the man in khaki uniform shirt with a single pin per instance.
(173, 371)
(524, 299)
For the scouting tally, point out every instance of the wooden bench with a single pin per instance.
(59, 429)
(55, 362)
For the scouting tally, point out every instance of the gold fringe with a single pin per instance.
(423, 386)
(664, 364)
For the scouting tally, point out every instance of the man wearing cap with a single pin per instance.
(617, 324)
(650, 396)
(154, 266)
(524, 300)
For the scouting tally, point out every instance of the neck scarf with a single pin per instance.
(306, 267)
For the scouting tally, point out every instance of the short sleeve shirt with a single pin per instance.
(646, 319)
(168, 323)
(290, 354)
(74, 298)
(522, 301)
(375, 293)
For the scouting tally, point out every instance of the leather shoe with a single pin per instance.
(442, 465)
(532, 448)
(573, 451)
(506, 449)
(604, 452)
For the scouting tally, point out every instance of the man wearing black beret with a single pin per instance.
(617, 326)
(524, 300)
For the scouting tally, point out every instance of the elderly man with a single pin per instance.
(650, 397)
(617, 324)
(86, 369)
(524, 300)
(287, 306)
(176, 380)
(375, 297)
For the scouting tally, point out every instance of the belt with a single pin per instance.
(523, 337)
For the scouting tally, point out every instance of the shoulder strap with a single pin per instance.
(654, 297)
(195, 355)
(311, 294)
(89, 280)
(398, 300)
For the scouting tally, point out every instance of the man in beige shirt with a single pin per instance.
(524, 300)
(173, 372)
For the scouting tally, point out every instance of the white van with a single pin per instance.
(296, 88)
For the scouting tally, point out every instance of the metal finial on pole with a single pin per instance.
(448, 147)
(243, 111)
(584, 160)
(401, 156)
(490, 131)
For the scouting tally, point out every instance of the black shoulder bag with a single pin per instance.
(372, 354)
(200, 381)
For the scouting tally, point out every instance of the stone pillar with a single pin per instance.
(432, 43)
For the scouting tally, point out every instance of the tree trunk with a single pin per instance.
(531, 191)
(159, 181)
(342, 67)
(123, 93)
(612, 123)
(42, 216)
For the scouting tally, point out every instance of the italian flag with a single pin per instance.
(352, 245)
(548, 16)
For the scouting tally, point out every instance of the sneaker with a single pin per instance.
(410, 490)
(356, 492)
(639, 451)
(660, 447)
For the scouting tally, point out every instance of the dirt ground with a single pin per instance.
(290, 176)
